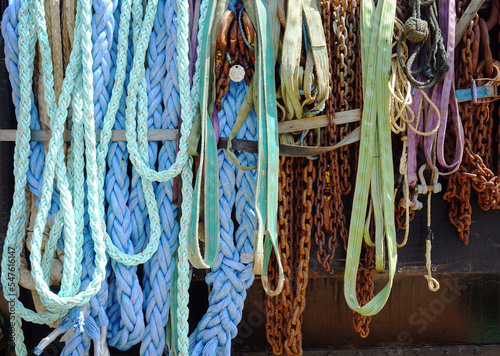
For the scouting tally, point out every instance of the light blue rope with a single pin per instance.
(25, 113)
(232, 273)
(79, 343)
(31, 28)
(159, 270)
(128, 215)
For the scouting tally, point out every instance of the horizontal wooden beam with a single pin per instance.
(308, 123)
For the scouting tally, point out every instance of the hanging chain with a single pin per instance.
(305, 176)
(478, 129)
(327, 187)
(342, 69)
(365, 287)
(278, 308)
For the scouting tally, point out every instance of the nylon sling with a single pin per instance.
(262, 93)
(375, 166)
(208, 155)
(266, 194)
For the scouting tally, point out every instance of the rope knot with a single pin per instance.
(416, 30)
(74, 320)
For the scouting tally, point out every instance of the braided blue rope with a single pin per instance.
(11, 50)
(79, 343)
(232, 273)
(127, 214)
(113, 309)
(159, 270)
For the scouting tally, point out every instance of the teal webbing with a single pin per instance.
(375, 166)
(266, 203)
(208, 160)
(262, 95)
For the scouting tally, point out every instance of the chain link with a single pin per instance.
(306, 175)
(478, 129)
(279, 307)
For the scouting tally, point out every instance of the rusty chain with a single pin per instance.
(296, 219)
(365, 287)
(478, 128)
(340, 30)
(305, 176)
(278, 308)
(327, 186)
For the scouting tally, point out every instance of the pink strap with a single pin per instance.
(444, 97)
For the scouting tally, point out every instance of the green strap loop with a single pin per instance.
(266, 203)
(262, 95)
(375, 166)
(208, 156)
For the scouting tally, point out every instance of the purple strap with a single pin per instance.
(444, 97)
(194, 14)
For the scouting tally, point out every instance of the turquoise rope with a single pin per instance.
(159, 270)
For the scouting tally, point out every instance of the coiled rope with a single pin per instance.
(70, 282)
(37, 156)
(11, 50)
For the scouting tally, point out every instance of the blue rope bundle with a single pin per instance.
(128, 213)
(127, 216)
(232, 274)
(79, 343)
(163, 88)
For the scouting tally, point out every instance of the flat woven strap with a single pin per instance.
(444, 96)
(317, 41)
(375, 166)
(208, 169)
(266, 194)
(303, 13)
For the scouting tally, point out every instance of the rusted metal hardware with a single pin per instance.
(231, 49)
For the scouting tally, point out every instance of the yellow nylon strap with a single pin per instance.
(375, 166)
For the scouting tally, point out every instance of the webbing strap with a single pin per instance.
(317, 57)
(444, 96)
(208, 169)
(266, 194)
(319, 52)
(290, 62)
(375, 166)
